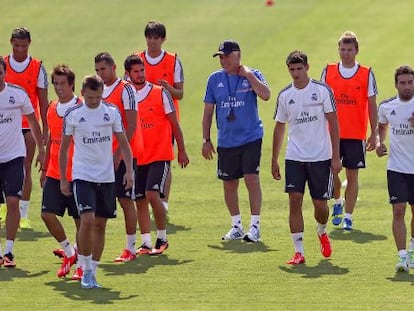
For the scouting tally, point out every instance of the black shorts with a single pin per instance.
(234, 163)
(400, 187)
(151, 177)
(98, 198)
(55, 202)
(352, 153)
(317, 174)
(11, 178)
(24, 131)
(120, 191)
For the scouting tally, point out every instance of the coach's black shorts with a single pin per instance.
(400, 187)
(98, 198)
(151, 177)
(317, 174)
(11, 178)
(234, 163)
(352, 153)
(120, 191)
(55, 202)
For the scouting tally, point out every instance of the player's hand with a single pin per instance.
(276, 170)
(183, 159)
(65, 188)
(40, 159)
(244, 71)
(411, 119)
(163, 83)
(371, 142)
(207, 150)
(381, 150)
(336, 165)
(42, 178)
(128, 180)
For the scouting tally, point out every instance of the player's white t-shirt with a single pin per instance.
(92, 130)
(14, 102)
(42, 82)
(304, 111)
(178, 70)
(128, 94)
(396, 112)
(350, 72)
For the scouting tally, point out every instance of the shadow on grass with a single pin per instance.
(29, 235)
(356, 236)
(238, 246)
(141, 265)
(8, 274)
(402, 277)
(323, 268)
(72, 290)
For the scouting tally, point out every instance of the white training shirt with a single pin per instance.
(350, 72)
(61, 108)
(395, 113)
(14, 102)
(304, 110)
(166, 97)
(178, 70)
(92, 130)
(42, 82)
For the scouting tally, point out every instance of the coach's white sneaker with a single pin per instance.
(411, 259)
(402, 265)
(253, 235)
(235, 233)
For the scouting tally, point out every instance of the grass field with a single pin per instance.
(199, 272)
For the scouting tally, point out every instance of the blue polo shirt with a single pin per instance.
(237, 116)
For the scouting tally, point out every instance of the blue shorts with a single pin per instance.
(11, 178)
(55, 202)
(98, 198)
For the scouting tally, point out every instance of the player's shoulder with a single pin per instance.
(389, 102)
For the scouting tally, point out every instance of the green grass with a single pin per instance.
(199, 272)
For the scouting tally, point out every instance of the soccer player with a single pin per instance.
(120, 93)
(29, 73)
(232, 93)
(54, 203)
(307, 106)
(157, 125)
(355, 93)
(92, 126)
(163, 68)
(397, 113)
(14, 103)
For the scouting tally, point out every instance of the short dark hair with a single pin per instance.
(402, 70)
(92, 82)
(21, 33)
(3, 62)
(155, 28)
(131, 60)
(104, 57)
(64, 70)
(297, 57)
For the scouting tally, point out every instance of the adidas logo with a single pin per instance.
(393, 198)
(290, 186)
(155, 187)
(325, 195)
(360, 164)
(291, 102)
(393, 113)
(82, 119)
(220, 84)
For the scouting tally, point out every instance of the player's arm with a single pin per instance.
(179, 138)
(43, 105)
(208, 148)
(373, 121)
(334, 133)
(63, 161)
(278, 136)
(46, 162)
(127, 155)
(37, 135)
(381, 149)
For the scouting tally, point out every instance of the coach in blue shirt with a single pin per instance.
(232, 93)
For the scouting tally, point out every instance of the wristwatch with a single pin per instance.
(205, 140)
